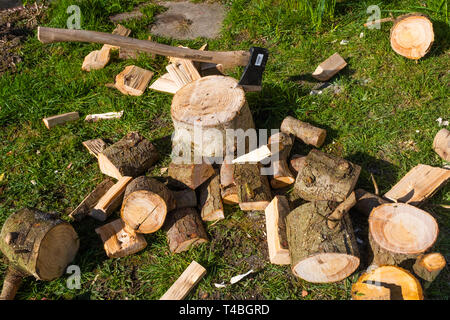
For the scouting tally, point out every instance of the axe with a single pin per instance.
(254, 60)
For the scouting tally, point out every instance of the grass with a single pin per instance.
(384, 119)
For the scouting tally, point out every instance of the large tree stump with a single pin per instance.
(428, 267)
(145, 204)
(37, 244)
(252, 187)
(210, 200)
(132, 156)
(320, 254)
(326, 177)
(399, 232)
(185, 229)
(212, 105)
(441, 144)
(304, 131)
(190, 175)
(281, 144)
(412, 35)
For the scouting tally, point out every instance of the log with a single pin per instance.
(131, 156)
(184, 284)
(191, 175)
(145, 205)
(326, 177)
(227, 184)
(36, 244)
(95, 146)
(184, 230)
(133, 80)
(185, 198)
(252, 188)
(401, 284)
(428, 266)
(96, 59)
(304, 131)
(212, 105)
(367, 201)
(320, 254)
(111, 200)
(280, 145)
(85, 207)
(119, 240)
(276, 213)
(327, 69)
(441, 144)
(297, 163)
(165, 84)
(399, 232)
(60, 119)
(343, 208)
(210, 200)
(418, 185)
(412, 35)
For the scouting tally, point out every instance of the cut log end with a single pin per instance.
(441, 144)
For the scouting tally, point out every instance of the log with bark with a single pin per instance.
(36, 244)
(185, 198)
(344, 207)
(441, 144)
(276, 213)
(366, 201)
(280, 145)
(428, 266)
(227, 184)
(131, 156)
(326, 177)
(399, 232)
(304, 131)
(190, 175)
(320, 254)
(297, 163)
(210, 200)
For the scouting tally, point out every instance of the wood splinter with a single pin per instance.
(276, 213)
(185, 283)
(60, 119)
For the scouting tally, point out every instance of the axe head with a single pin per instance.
(251, 79)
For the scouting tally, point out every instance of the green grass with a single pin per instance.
(386, 125)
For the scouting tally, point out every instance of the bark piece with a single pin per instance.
(60, 119)
(419, 184)
(304, 131)
(327, 69)
(441, 144)
(119, 240)
(367, 201)
(165, 84)
(252, 187)
(320, 254)
(326, 177)
(399, 232)
(131, 156)
(97, 59)
(185, 229)
(276, 213)
(95, 146)
(280, 145)
(133, 80)
(210, 200)
(428, 267)
(191, 175)
(185, 283)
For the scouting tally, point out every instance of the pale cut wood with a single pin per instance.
(85, 207)
(210, 200)
(183, 73)
(133, 80)
(327, 69)
(185, 283)
(96, 59)
(121, 31)
(254, 156)
(165, 84)
(341, 209)
(276, 213)
(191, 175)
(59, 119)
(418, 185)
(227, 184)
(441, 144)
(111, 200)
(304, 131)
(367, 291)
(103, 116)
(280, 145)
(428, 266)
(119, 240)
(95, 146)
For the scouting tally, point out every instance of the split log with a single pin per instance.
(326, 177)
(95, 146)
(184, 284)
(280, 144)
(191, 175)
(184, 230)
(441, 144)
(320, 254)
(412, 35)
(119, 240)
(131, 156)
(228, 186)
(399, 232)
(255, 155)
(36, 244)
(165, 84)
(253, 188)
(145, 205)
(185, 198)
(111, 200)
(428, 267)
(276, 213)
(401, 284)
(60, 119)
(327, 69)
(418, 185)
(97, 59)
(297, 163)
(85, 207)
(133, 80)
(304, 131)
(343, 208)
(212, 105)
(210, 200)
(367, 201)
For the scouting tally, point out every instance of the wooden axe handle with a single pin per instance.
(226, 58)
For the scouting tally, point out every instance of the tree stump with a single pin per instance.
(211, 105)
(210, 200)
(132, 156)
(304, 131)
(326, 177)
(399, 232)
(441, 144)
(428, 267)
(281, 143)
(37, 244)
(412, 35)
(320, 254)
(185, 229)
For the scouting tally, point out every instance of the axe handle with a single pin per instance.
(226, 58)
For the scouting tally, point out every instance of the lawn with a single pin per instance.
(383, 118)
